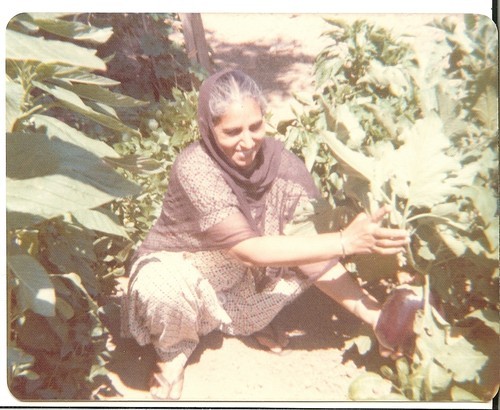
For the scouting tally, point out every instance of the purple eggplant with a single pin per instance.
(394, 329)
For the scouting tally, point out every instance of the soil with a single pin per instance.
(279, 52)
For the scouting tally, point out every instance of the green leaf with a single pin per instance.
(424, 251)
(348, 128)
(445, 209)
(449, 237)
(75, 178)
(484, 201)
(23, 47)
(72, 29)
(83, 77)
(488, 316)
(391, 77)
(422, 161)
(77, 282)
(60, 130)
(437, 379)
(61, 94)
(36, 291)
(73, 102)
(492, 234)
(102, 95)
(36, 334)
(486, 108)
(461, 358)
(137, 164)
(98, 221)
(353, 162)
(18, 360)
(459, 394)
(310, 151)
(369, 386)
(459, 244)
(14, 94)
(64, 308)
(362, 342)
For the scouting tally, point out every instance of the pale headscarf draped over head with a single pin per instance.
(249, 185)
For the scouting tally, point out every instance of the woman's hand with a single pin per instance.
(365, 235)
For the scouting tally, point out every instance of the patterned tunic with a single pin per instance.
(176, 296)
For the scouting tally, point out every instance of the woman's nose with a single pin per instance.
(247, 141)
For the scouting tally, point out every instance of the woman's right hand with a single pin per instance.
(364, 235)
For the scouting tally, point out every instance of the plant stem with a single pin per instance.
(428, 215)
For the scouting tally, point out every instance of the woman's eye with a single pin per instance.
(232, 133)
(256, 127)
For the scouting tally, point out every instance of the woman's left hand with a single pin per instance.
(365, 235)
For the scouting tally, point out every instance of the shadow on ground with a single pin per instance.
(319, 323)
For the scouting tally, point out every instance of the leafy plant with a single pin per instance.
(59, 188)
(145, 54)
(166, 128)
(390, 125)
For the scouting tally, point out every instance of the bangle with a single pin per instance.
(342, 244)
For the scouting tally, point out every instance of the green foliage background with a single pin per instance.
(76, 206)
(417, 130)
(90, 142)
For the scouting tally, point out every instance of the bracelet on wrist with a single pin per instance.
(342, 244)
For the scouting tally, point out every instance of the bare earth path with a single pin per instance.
(278, 51)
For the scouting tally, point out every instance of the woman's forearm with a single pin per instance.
(288, 250)
(339, 285)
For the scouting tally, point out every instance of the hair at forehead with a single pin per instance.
(231, 87)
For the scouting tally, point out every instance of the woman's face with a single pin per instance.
(240, 132)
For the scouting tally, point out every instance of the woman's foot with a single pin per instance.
(168, 382)
(273, 338)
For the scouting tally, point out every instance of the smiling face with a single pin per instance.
(240, 131)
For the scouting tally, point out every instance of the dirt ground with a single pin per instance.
(278, 51)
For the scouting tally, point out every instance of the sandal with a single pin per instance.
(272, 338)
(172, 391)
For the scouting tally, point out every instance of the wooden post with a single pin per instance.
(194, 37)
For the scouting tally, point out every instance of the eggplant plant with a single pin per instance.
(416, 128)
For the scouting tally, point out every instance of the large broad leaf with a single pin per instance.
(58, 129)
(381, 76)
(462, 359)
(14, 93)
(22, 47)
(36, 291)
(459, 244)
(422, 161)
(370, 386)
(353, 162)
(455, 354)
(98, 221)
(71, 29)
(73, 178)
(102, 95)
(486, 108)
(73, 102)
(459, 394)
(310, 152)
(348, 127)
(484, 201)
(488, 317)
(84, 77)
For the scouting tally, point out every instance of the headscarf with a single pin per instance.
(180, 225)
(248, 185)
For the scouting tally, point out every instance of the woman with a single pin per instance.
(218, 257)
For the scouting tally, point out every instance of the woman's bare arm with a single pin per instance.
(287, 251)
(363, 235)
